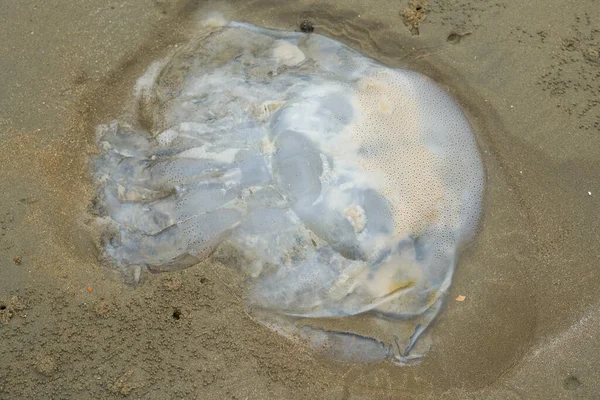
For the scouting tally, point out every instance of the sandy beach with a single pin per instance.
(527, 75)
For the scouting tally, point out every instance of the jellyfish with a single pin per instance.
(339, 189)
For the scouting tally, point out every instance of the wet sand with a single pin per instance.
(528, 76)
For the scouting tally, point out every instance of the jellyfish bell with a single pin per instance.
(342, 188)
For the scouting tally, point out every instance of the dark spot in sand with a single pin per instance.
(307, 26)
(81, 78)
(203, 280)
(115, 241)
(27, 200)
(454, 37)
(571, 382)
(176, 314)
(2, 307)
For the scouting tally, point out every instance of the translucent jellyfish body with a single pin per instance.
(341, 188)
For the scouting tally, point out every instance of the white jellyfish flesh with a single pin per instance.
(343, 188)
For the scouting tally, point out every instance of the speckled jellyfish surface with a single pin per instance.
(340, 188)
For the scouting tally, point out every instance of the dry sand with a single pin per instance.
(528, 74)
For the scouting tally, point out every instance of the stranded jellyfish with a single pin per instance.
(341, 189)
